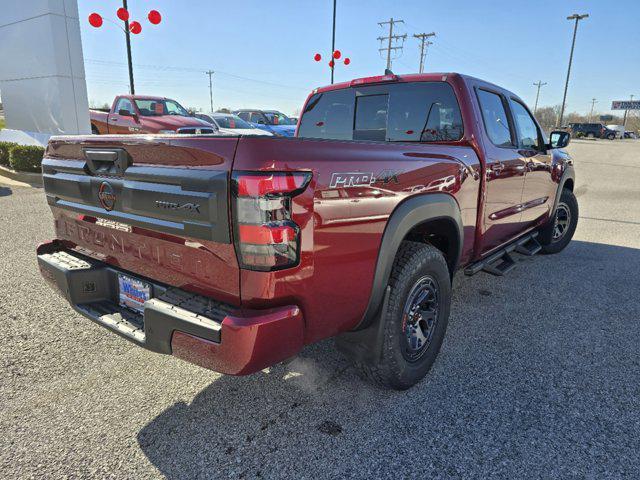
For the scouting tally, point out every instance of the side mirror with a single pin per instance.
(124, 113)
(559, 139)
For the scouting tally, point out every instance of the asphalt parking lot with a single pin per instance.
(539, 375)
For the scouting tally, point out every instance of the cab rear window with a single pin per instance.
(402, 112)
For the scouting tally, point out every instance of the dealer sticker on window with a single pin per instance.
(133, 293)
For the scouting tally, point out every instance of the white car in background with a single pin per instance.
(229, 124)
(619, 129)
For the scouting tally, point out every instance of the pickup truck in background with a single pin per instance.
(138, 114)
(235, 252)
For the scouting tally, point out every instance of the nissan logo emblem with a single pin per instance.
(106, 196)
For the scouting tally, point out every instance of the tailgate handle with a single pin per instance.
(112, 161)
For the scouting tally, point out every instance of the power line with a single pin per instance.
(169, 68)
(210, 73)
(424, 42)
(593, 103)
(539, 84)
(391, 39)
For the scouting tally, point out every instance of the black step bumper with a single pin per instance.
(91, 287)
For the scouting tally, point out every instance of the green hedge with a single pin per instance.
(5, 148)
(26, 158)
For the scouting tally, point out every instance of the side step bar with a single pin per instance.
(502, 262)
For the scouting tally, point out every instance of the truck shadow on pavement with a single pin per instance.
(5, 191)
(538, 376)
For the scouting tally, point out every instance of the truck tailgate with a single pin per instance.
(157, 207)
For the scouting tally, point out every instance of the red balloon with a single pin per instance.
(123, 14)
(331, 64)
(154, 17)
(337, 54)
(317, 57)
(135, 28)
(347, 61)
(95, 20)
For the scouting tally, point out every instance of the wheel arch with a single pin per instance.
(435, 214)
(567, 180)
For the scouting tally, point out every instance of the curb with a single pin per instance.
(24, 177)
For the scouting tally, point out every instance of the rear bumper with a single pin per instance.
(192, 327)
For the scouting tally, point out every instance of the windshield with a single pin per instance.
(155, 107)
(277, 118)
(231, 121)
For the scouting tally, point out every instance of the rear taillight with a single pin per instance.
(266, 236)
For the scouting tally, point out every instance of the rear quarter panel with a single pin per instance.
(342, 225)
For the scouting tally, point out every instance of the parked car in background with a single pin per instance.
(270, 120)
(229, 124)
(619, 129)
(629, 134)
(591, 130)
(143, 114)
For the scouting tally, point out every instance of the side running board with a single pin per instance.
(502, 262)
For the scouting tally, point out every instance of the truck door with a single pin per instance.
(123, 124)
(539, 187)
(505, 172)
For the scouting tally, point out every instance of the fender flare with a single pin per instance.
(568, 174)
(409, 214)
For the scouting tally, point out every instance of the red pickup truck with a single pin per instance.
(235, 252)
(137, 114)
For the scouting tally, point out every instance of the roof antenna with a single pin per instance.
(387, 71)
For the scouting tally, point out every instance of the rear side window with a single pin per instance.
(406, 112)
(495, 118)
(527, 129)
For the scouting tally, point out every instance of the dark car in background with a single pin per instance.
(591, 130)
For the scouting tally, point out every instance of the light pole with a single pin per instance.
(577, 17)
(539, 84)
(129, 60)
(333, 36)
(96, 20)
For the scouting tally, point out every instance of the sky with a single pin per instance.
(262, 52)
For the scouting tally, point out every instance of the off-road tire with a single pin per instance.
(94, 130)
(546, 237)
(413, 262)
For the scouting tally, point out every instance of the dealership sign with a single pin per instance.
(625, 105)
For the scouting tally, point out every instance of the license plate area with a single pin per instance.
(132, 293)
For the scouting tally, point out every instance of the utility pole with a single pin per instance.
(624, 121)
(577, 18)
(127, 34)
(593, 102)
(423, 37)
(391, 39)
(539, 84)
(210, 73)
(333, 40)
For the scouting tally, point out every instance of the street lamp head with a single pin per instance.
(577, 16)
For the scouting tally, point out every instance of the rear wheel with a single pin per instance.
(94, 130)
(415, 320)
(611, 136)
(559, 230)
